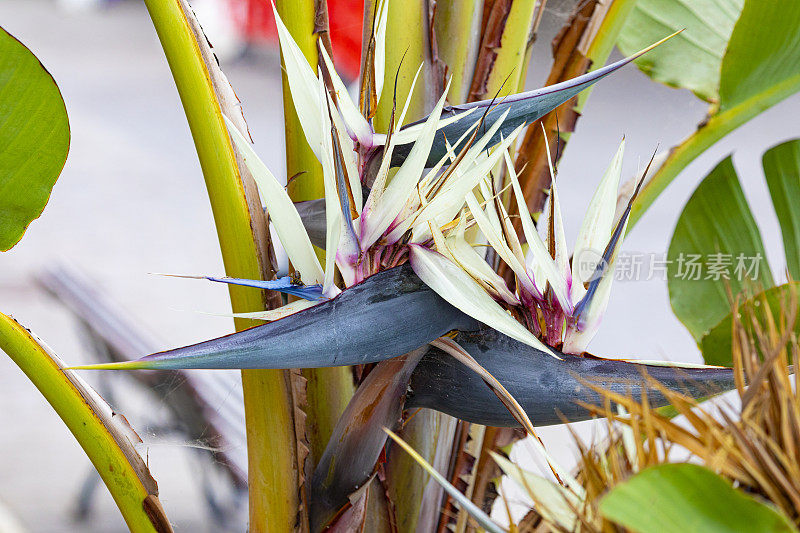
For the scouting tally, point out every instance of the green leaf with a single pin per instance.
(716, 345)
(763, 53)
(782, 170)
(760, 68)
(716, 232)
(677, 498)
(34, 138)
(692, 59)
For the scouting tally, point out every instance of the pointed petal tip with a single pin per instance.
(182, 276)
(643, 51)
(121, 365)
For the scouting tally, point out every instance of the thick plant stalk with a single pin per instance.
(105, 440)
(585, 41)
(326, 391)
(272, 461)
(416, 496)
(456, 26)
(301, 163)
(405, 52)
(409, 48)
(503, 49)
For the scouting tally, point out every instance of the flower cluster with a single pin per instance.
(435, 215)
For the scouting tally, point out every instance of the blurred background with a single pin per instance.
(131, 201)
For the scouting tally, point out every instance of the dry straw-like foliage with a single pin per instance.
(755, 445)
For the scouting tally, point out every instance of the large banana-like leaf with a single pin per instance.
(716, 252)
(760, 66)
(675, 498)
(547, 388)
(523, 108)
(34, 138)
(782, 171)
(717, 344)
(714, 229)
(707, 26)
(387, 315)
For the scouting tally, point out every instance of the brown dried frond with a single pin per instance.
(756, 445)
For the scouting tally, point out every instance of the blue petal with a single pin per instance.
(284, 285)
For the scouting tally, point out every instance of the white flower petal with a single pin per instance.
(561, 254)
(303, 86)
(350, 162)
(333, 210)
(597, 224)
(450, 199)
(476, 266)
(541, 260)
(498, 243)
(461, 291)
(411, 133)
(383, 171)
(284, 217)
(380, 46)
(357, 125)
(580, 333)
(394, 198)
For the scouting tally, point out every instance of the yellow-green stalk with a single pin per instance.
(272, 464)
(501, 75)
(457, 25)
(328, 390)
(132, 488)
(405, 52)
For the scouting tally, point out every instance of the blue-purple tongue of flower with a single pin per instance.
(284, 285)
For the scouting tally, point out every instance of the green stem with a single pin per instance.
(273, 478)
(457, 25)
(501, 60)
(415, 496)
(119, 465)
(603, 42)
(405, 52)
(327, 390)
(707, 134)
(428, 431)
(298, 16)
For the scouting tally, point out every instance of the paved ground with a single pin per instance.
(131, 201)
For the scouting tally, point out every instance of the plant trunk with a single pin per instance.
(320, 394)
(244, 244)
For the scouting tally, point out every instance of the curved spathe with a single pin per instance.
(545, 387)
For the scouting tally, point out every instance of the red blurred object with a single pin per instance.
(255, 19)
